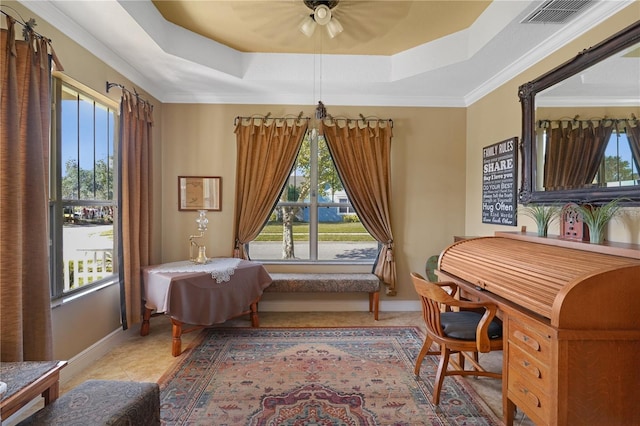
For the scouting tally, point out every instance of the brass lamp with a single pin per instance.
(201, 257)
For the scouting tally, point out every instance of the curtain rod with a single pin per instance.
(268, 117)
(124, 89)
(369, 119)
(577, 120)
(329, 117)
(26, 25)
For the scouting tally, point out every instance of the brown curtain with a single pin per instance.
(266, 152)
(632, 128)
(574, 152)
(361, 151)
(135, 200)
(25, 301)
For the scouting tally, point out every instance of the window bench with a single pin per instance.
(328, 283)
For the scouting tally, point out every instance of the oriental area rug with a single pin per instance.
(312, 377)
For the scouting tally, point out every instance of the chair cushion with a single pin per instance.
(462, 325)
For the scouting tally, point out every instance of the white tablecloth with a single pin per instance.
(220, 269)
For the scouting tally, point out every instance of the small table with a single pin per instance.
(26, 380)
(196, 298)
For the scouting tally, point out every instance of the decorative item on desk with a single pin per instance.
(572, 226)
(542, 215)
(596, 217)
(202, 226)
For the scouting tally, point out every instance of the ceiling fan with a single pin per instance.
(322, 15)
(284, 21)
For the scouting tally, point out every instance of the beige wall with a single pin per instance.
(428, 177)
(497, 116)
(435, 164)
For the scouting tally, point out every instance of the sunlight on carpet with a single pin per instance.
(312, 376)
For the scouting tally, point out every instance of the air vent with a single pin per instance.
(556, 11)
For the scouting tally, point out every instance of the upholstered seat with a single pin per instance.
(465, 332)
(102, 402)
(463, 325)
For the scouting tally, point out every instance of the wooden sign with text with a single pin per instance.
(499, 174)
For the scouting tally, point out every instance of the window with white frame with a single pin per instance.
(619, 167)
(313, 220)
(83, 195)
(346, 208)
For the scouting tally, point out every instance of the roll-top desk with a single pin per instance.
(571, 315)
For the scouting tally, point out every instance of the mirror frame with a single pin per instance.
(527, 94)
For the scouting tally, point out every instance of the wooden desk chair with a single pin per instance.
(463, 332)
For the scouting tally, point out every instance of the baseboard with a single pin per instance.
(90, 355)
(337, 306)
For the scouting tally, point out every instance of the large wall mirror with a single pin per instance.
(580, 126)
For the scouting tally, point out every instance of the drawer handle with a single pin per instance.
(532, 343)
(531, 397)
(531, 368)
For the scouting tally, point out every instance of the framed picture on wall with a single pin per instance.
(200, 193)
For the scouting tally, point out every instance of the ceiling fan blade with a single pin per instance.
(362, 20)
(271, 18)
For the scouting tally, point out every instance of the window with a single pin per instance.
(619, 168)
(346, 208)
(83, 190)
(313, 219)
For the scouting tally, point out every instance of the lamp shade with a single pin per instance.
(334, 27)
(308, 26)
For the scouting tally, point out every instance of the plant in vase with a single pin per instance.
(597, 216)
(542, 215)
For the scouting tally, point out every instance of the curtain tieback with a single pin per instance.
(389, 255)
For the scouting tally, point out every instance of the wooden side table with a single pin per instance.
(197, 299)
(26, 380)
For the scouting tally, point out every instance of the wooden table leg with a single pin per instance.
(51, 393)
(509, 409)
(144, 328)
(255, 321)
(374, 303)
(176, 347)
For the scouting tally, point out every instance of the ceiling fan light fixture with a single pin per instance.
(334, 27)
(308, 26)
(322, 14)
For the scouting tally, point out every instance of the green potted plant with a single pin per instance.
(542, 215)
(596, 217)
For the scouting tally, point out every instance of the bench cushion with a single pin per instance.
(333, 283)
(102, 402)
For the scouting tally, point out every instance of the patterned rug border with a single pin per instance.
(202, 335)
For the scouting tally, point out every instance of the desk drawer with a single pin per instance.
(529, 369)
(536, 404)
(530, 336)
